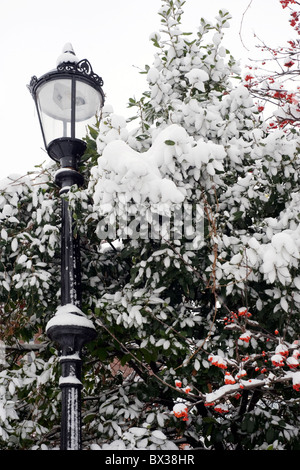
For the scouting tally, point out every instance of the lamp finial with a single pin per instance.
(68, 55)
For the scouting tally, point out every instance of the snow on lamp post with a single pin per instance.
(67, 99)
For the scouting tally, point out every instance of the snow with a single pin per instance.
(279, 255)
(151, 177)
(296, 378)
(284, 241)
(69, 380)
(222, 391)
(158, 434)
(141, 176)
(196, 78)
(69, 315)
(14, 244)
(153, 75)
(74, 357)
(67, 55)
(118, 121)
(138, 431)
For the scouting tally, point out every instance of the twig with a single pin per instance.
(240, 32)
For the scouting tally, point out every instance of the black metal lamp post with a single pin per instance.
(67, 100)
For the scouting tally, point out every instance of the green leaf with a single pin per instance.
(101, 353)
(237, 215)
(125, 359)
(94, 133)
(169, 142)
(270, 434)
(250, 426)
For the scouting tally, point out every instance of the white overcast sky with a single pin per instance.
(114, 36)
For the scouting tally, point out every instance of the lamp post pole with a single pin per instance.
(69, 328)
(66, 100)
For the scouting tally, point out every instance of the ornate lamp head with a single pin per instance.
(67, 99)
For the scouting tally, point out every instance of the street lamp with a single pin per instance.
(67, 99)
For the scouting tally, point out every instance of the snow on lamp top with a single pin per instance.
(68, 55)
(69, 314)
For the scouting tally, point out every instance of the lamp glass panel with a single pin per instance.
(54, 104)
(88, 104)
(54, 100)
